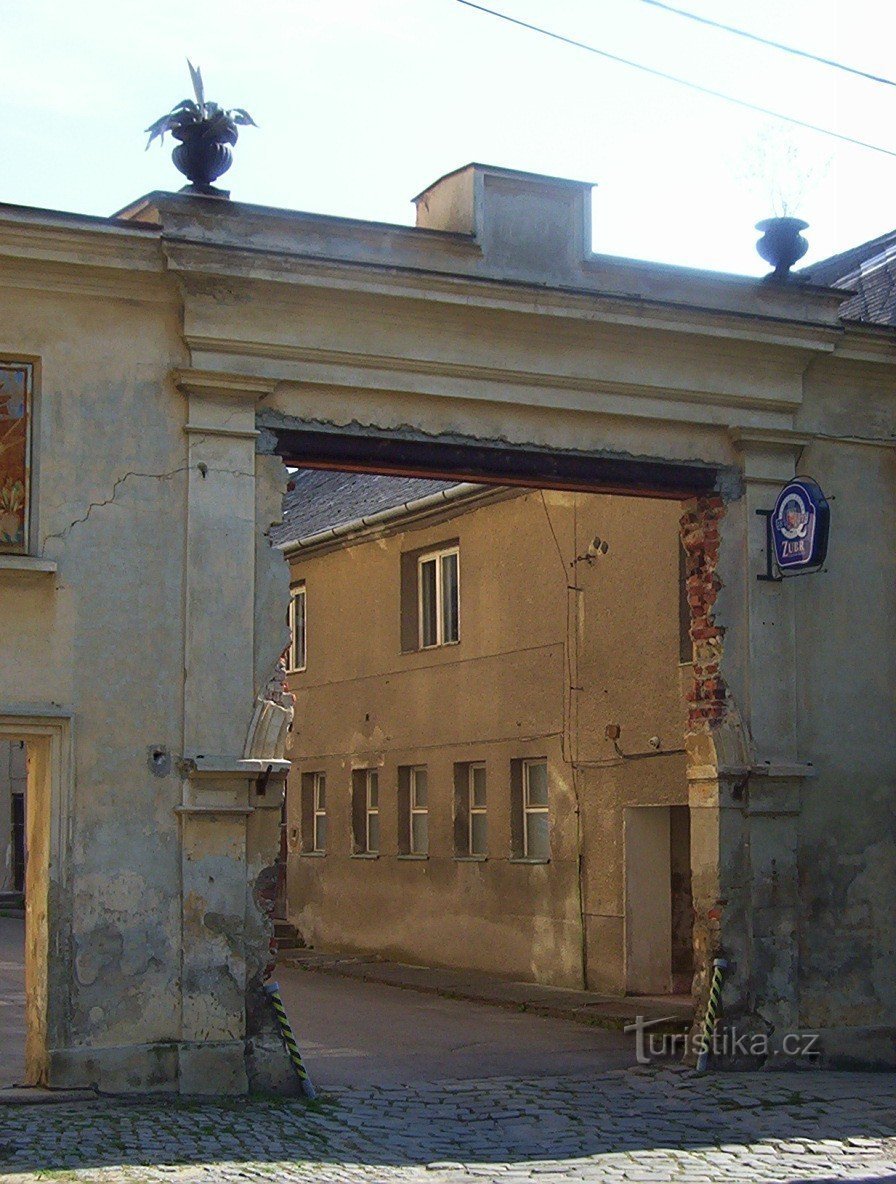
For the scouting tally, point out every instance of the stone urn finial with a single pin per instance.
(782, 244)
(207, 134)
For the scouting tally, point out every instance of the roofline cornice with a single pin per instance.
(865, 342)
(91, 256)
(191, 259)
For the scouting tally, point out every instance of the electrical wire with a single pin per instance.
(695, 86)
(801, 53)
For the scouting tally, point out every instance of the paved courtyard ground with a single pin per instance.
(417, 1088)
(617, 1126)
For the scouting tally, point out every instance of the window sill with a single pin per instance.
(413, 856)
(313, 854)
(470, 858)
(365, 855)
(32, 564)
(525, 859)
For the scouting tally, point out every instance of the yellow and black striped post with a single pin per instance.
(713, 1004)
(273, 993)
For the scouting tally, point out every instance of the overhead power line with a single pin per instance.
(695, 86)
(801, 53)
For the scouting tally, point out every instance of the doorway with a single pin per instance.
(13, 845)
(13, 861)
(658, 900)
(35, 789)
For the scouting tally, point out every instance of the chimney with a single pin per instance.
(528, 226)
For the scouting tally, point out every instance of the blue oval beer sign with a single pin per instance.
(800, 526)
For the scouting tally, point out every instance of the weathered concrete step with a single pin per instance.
(12, 904)
(36, 1095)
(665, 1013)
(287, 936)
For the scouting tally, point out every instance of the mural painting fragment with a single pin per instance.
(15, 412)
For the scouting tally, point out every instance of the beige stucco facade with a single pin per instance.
(555, 646)
(182, 351)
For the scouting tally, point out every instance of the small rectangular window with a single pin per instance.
(366, 811)
(470, 817)
(419, 810)
(529, 817)
(320, 812)
(314, 813)
(536, 840)
(413, 810)
(478, 844)
(438, 590)
(372, 832)
(297, 629)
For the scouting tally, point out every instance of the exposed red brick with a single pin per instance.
(707, 698)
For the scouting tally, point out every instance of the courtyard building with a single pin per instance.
(488, 766)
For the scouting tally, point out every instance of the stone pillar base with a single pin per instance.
(219, 1067)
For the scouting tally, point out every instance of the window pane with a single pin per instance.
(373, 832)
(321, 793)
(428, 633)
(420, 783)
(320, 832)
(477, 788)
(419, 834)
(450, 600)
(537, 845)
(537, 784)
(373, 789)
(477, 834)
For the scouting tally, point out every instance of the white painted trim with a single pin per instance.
(370, 811)
(415, 810)
(317, 811)
(528, 808)
(436, 557)
(297, 590)
(475, 810)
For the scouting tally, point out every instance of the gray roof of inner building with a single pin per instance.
(869, 272)
(320, 499)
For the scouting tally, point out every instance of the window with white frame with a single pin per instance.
(371, 811)
(438, 593)
(297, 628)
(419, 811)
(477, 837)
(319, 803)
(536, 838)
(314, 813)
(470, 815)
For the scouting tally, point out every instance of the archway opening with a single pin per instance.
(493, 664)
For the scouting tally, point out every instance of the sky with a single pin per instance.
(362, 103)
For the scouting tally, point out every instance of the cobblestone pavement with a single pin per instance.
(643, 1125)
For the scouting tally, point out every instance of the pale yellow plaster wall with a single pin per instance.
(533, 624)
